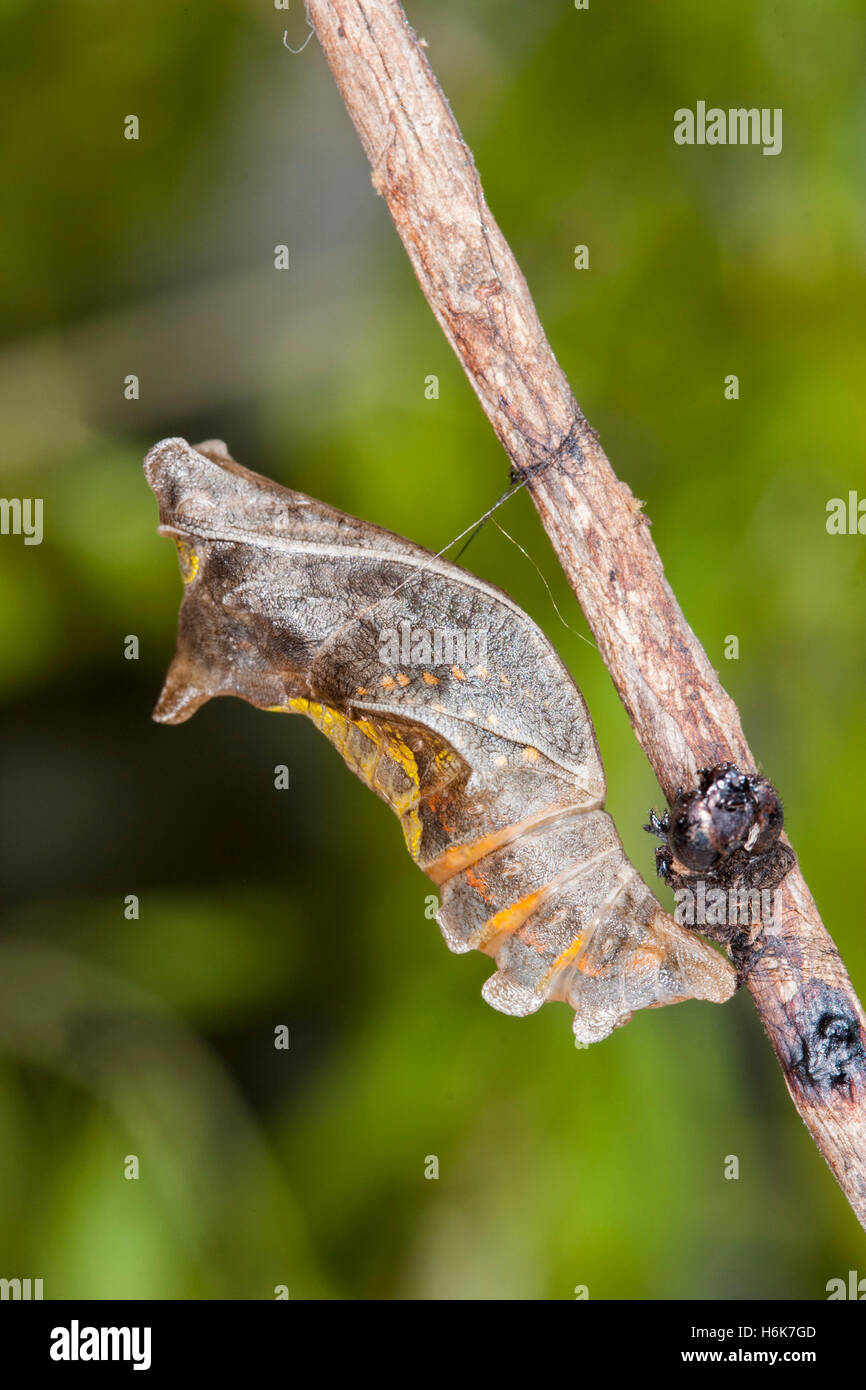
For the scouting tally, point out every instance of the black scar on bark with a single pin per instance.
(830, 1054)
(724, 832)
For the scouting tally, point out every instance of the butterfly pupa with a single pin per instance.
(449, 702)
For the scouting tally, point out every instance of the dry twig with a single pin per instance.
(680, 713)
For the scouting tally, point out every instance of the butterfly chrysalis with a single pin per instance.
(451, 704)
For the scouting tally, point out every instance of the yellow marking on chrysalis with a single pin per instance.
(403, 755)
(504, 679)
(506, 922)
(429, 679)
(366, 763)
(332, 722)
(556, 981)
(365, 760)
(406, 806)
(454, 859)
(412, 831)
(187, 560)
(568, 954)
(401, 679)
(336, 727)
(530, 754)
(387, 682)
(458, 674)
(480, 883)
(483, 672)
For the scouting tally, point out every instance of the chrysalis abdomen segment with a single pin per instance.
(566, 916)
(551, 897)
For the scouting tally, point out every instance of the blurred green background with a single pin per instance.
(154, 1037)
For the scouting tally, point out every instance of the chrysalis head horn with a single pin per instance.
(201, 492)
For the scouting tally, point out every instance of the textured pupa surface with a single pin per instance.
(485, 750)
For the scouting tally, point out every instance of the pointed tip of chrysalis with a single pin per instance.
(162, 460)
(178, 700)
(182, 477)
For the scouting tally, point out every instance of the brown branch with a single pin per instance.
(680, 713)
